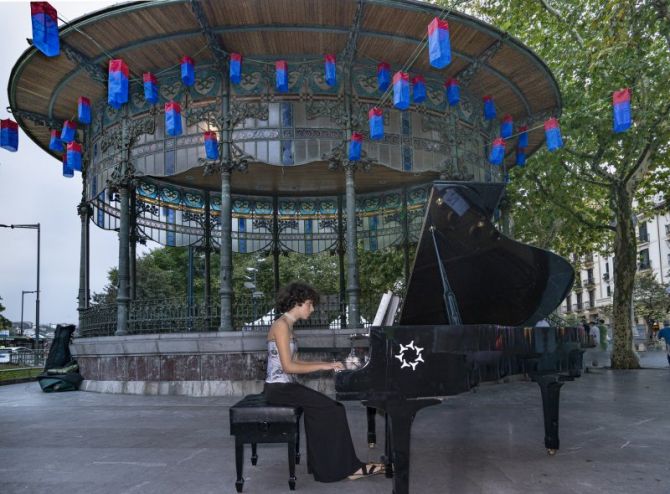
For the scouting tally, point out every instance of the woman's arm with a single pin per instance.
(282, 338)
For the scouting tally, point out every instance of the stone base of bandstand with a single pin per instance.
(197, 364)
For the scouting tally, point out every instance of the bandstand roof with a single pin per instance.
(151, 36)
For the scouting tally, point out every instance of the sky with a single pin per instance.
(33, 190)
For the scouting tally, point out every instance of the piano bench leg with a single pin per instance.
(297, 442)
(550, 387)
(291, 463)
(239, 464)
(254, 454)
(372, 429)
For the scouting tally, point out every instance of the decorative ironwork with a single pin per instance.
(335, 110)
(262, 224)
(350, 50)
(94, 71)
(539, 117)
(287, 225)
(37, 118)
(240, 111)
(465, 76)
(212, 41)
(198, 218)
(210, 114)
(337, 157)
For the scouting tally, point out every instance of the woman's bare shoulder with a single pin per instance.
(279, 328)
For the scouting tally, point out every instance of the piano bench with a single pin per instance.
(253, 421)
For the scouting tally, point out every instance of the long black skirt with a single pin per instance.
(330, 450)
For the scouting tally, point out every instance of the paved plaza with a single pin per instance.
(615, 438)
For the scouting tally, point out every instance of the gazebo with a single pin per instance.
(282, 180)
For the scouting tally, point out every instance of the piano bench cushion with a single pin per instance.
(254, 414)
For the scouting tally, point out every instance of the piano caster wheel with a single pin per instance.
(371, 445)
(291, 483)
(551, 452)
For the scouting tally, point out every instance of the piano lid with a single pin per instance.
(495, 280)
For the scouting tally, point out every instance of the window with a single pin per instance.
(592, 298)
(589, 276)
(644, 259)
(644, 235)
(579, 301)
(609, 291)
(568, 303)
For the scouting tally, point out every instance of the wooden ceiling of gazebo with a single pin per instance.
(151, 36)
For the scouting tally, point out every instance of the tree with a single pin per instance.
(4, 322)
(584, 194)
(652, 301)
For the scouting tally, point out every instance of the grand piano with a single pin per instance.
(469, 315)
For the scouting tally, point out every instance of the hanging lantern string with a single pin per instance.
(135, 77)
(446, 11)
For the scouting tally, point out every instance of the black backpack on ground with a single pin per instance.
(61, 372)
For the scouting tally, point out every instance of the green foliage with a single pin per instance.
(652, 302)
(4, 322)
(163, 273)
(581, 197)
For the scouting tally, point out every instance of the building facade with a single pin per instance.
(594, 281)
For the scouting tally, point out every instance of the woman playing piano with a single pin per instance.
(330, 450)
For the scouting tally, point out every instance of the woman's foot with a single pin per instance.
(368, 470)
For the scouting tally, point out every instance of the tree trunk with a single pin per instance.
(625, 266)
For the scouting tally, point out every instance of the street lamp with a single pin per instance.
(37, 291)
(23, 292)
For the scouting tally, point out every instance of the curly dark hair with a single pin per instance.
(293, 294)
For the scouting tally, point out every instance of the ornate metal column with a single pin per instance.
(132, 253)
(340, 255)
(84, 211)
(123, 140)
(404, 215)
(353, 288)
(218, 116)
(275, 242)
(208, 273)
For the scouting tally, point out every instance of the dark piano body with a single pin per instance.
(472, 300)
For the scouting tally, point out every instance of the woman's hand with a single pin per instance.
(334, 366)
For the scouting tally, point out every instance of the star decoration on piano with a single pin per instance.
(417, 351)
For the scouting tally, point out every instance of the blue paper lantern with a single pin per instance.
(211, 146)
(74, 156)
(281, 76)
(9, 135)
(376, 122)
(418, 89)
(330, 70)
(507, 127)
(621, 112)
(497, 153)
(355, 146)
(45, 28)
(83, 110)
(235, 68)
(68, 172)
(552, 132)
(523, 137)
(383, 76)
(520, 160)
(117, 83)
(150, 88)
(489, 108)
(187, 71)
(69, 131)
(173, 119)
(401, 90)
(55, 143)
(439, 46)
(453, 92)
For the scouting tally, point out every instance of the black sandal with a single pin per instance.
(368, 470)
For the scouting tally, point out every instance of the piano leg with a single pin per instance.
(550, 387)
(372, 430)
(400, 415)
(388, 451)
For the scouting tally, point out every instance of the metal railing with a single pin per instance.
(28, 358)
(249, 314)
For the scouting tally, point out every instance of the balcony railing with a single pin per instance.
(644, 265)
(606, 276)
(643, 238)
(590, 281)
(667, 230)
(580, 307)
